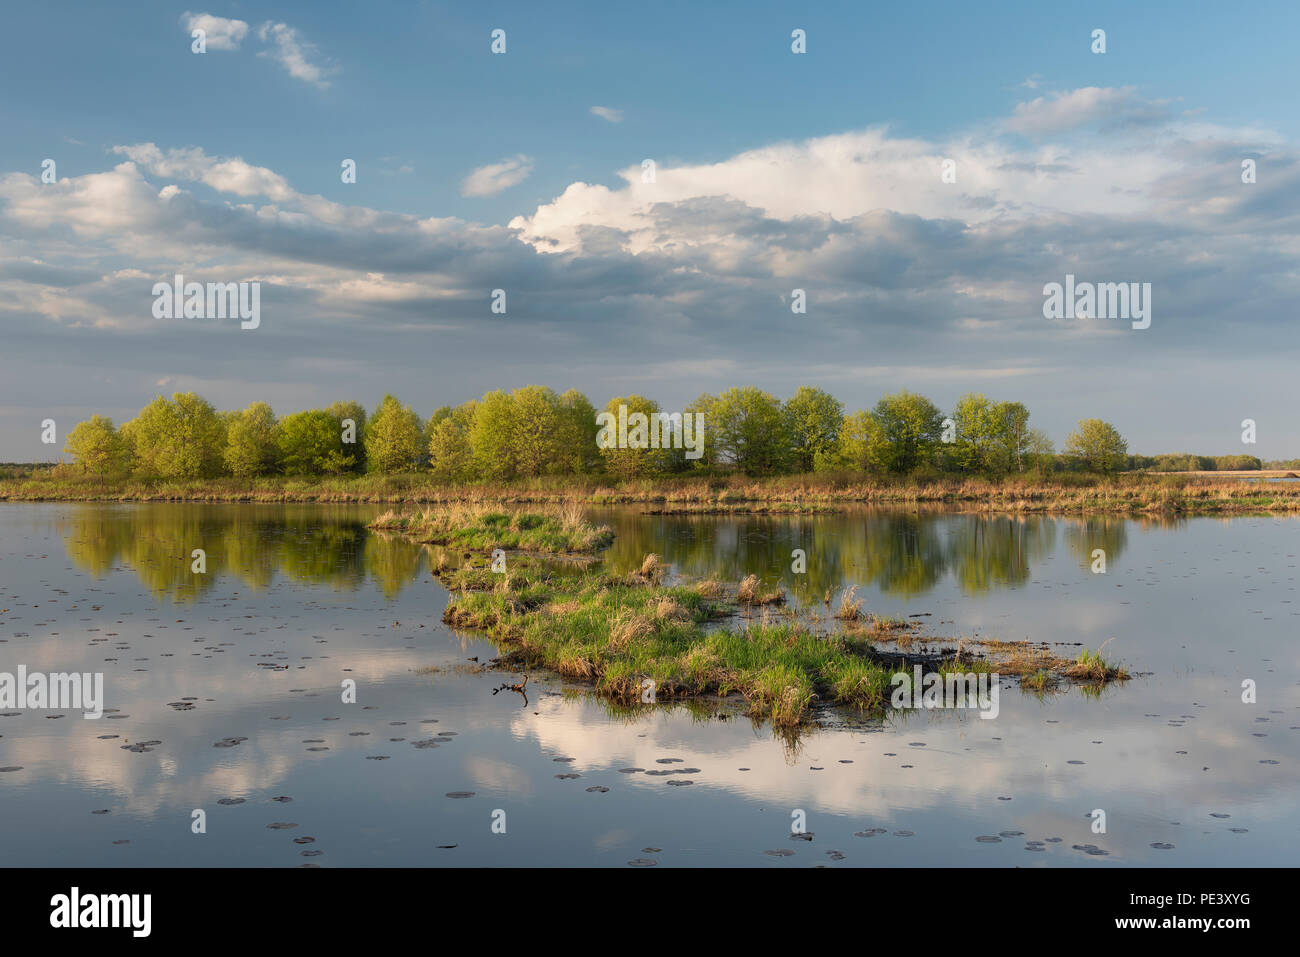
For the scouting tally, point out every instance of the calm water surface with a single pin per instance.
(297, 599)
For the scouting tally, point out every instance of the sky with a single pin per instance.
(523, 171)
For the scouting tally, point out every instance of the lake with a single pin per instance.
(226, 687)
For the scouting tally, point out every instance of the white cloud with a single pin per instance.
(222, 34)
(496, 177)
(225, 175)
(292, 52)
(608, 113)
(92, 204)
(847, 175)
(1086, 106)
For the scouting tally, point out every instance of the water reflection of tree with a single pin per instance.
(903, 554)
(986, 551)
(1084, 535)
(900, 552)
(310, 544)
(156, 542)
(392, 562)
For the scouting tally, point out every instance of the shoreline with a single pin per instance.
(1129, 493)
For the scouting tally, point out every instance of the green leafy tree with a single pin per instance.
(979, 429)
(911, 425)
(252, 441)
(432, 422)
(393, 438)
(1011, 440)
(537, 431)
(747, 427)
(629, 461)
(578, 430)
(178, 438)
(1039, 447)
(813, 420)
(450, 457)
(703, 405)
(97, 447)
(310, 443)
(1237, 463)
(337, 462)
(356, 412)
(491, 439)
(1097, 445)
(864, 445)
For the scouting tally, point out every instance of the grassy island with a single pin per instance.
(690, 639)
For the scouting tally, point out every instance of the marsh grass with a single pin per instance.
(555, 529)
(750, 592)
(1039, 669)
(963, 663)
(710, 588)
(617, 632)
(1092, 666)
(880, 628)
(1039, 681)
(651, 568)
(850, 606)
(1127, 493)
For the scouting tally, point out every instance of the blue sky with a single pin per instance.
(776, 171)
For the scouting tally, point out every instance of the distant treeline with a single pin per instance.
(1187, 462)
(535, 431)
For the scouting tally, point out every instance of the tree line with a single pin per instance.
(1186, 462)
(534, 431)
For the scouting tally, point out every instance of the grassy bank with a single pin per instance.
(618, 631)
(1128, 493)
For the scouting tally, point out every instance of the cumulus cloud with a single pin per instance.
(857, 210)
(221, 34)
(90, 205)
(608, 113)
(293, 53)
(497, 177)
(224, 175)
(847, 175)
(1111, 107)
